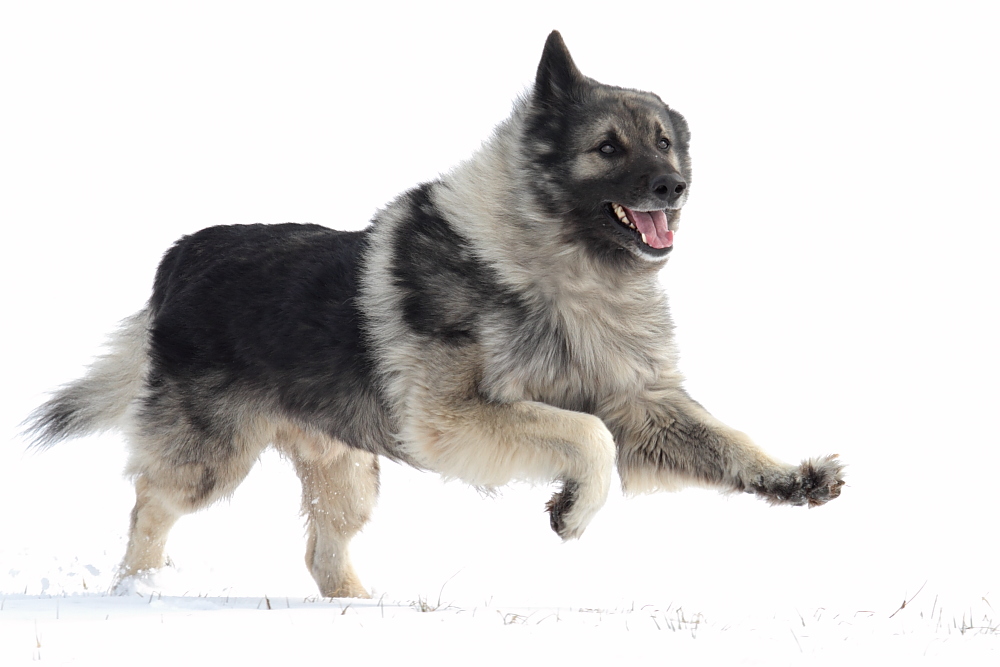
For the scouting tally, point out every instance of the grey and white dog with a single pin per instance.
(501, 323)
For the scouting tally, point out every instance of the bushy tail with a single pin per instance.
(97, 401)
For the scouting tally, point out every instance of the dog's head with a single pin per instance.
(611, 163)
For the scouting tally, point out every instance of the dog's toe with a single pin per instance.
(814, 482)
(822, 479)
(559, 507)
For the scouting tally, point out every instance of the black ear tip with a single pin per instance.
(556, 49)
(557, 74)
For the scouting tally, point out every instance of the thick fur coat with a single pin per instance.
(503, 322)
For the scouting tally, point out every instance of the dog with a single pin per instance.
(500, 323)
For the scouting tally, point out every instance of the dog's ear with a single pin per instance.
(557, 75)
(680, 126)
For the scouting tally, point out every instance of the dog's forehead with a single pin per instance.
(629, 112)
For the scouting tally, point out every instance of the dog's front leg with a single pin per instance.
(489, 444)
(666, 440)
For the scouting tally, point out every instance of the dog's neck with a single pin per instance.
(519, 236)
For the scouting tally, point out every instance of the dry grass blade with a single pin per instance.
(906, 602)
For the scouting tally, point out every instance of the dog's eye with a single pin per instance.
(663, 144)
(608, 148)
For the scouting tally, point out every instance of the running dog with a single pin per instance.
(503, 322)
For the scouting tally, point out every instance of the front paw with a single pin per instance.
(814, 482)
(571, 509)
(559, 507)
(823, 479)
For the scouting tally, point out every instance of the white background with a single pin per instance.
(834, 282)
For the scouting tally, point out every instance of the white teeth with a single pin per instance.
(620, 212)
(644, 239)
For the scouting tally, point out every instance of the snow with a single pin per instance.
(158, 629)
(165, 630)
(833, 282)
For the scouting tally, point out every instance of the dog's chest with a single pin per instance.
(578, 351)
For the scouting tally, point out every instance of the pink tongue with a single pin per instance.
(654, 225)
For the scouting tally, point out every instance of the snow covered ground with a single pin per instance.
(834, 286)
(458, 577)
(169, 630)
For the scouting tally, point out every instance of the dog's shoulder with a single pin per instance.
(429, 275)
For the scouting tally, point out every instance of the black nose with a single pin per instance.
(668, 187)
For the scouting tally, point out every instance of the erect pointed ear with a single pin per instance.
(557, 75)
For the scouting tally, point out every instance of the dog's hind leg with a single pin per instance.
(178, 470)
(152, 518)
(339, 490)
(666, 440)
(163, 495)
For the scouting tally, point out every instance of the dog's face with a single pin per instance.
(611, 163)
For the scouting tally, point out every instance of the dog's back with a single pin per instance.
(261, 315)
(266, 315)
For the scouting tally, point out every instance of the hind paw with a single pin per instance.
(814, 482)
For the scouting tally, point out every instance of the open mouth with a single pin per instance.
(650, 227)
